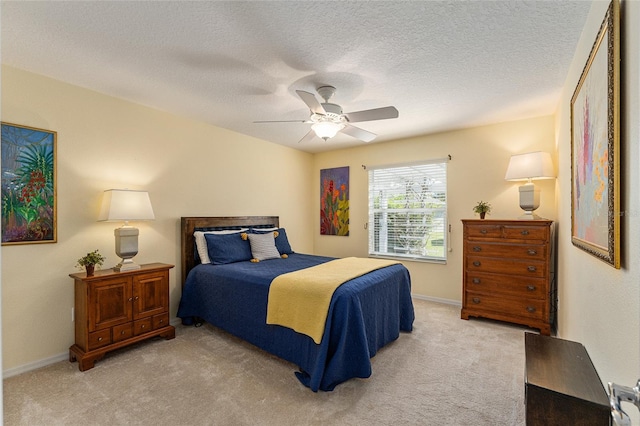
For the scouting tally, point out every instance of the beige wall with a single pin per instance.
(189, 169)
(476, 172)
(599, 306)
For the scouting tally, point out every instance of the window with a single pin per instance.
(408, 211)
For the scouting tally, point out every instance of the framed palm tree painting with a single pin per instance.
(28, 185)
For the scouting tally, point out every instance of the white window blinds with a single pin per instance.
(408, 211)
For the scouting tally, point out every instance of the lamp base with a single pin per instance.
(126, 265)
(529, 215)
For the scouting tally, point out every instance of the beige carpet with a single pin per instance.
(446, 372)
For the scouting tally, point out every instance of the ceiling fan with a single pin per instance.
(328, 119)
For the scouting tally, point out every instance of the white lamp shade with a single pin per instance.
(532, 165)
(125, 205)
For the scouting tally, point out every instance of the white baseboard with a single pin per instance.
(51, 360)
(438, 300)
(34, 365)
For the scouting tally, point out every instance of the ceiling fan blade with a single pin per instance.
(308, 137)
(311, 101)
(358, 133)
(372, 114)
(283, 121)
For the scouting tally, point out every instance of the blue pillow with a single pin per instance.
(227, 248)
(282, 242)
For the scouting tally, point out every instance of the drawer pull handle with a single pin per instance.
(477, 248)
(161, 321)
(531, 309)
(524, 232)
(483, 231)
(532, 252)
(531, 287)
(99, 339)
(122, 332)
(142, 326)
(531, 268)
(476, 280)
(136, 298)
(131, 299)
(476, 263)
(475, 300)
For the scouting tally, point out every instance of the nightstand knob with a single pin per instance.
(475, 300)
(476, 263)
(142, 326)
(161, 321)
(122, 332)
(531, 287)
(136, 298)
(532, 252)
(477, 248)
(99, 339)
(131, 299)
(531, 309)
(531, 268)
(476, 280)
(524, 232)
(483, 231)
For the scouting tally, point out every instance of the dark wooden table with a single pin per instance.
(562, 387)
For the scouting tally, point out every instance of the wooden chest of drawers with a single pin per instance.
(508, 272)
(116, 309)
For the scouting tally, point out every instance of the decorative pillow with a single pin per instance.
(263, 246)
(282, 242)
(201, 243)
(227, 248)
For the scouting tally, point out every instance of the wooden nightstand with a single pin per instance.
(116, 309)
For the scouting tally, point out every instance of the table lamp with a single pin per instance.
(530, 166)
(123, 205)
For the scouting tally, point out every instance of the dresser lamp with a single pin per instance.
(530, 166)
(123, 205)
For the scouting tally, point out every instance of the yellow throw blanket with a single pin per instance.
(300, 300)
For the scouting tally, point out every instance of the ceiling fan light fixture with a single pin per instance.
(327, 129)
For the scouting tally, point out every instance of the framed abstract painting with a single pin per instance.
(334, 201)
(28, 185)
(595, 146)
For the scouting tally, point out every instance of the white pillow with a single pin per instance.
(263, 246)
(201, 243)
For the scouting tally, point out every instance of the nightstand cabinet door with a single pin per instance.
(508, 272)
(116, 309)
(150, 295)
(109, 302)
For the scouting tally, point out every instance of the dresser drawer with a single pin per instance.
(142, 326)
(533, 288)
(531, 268)
(99, 339)
(532, 233)
(521, 307)
(160, 321)
(482, 231)
(520, 251)
(122, 332)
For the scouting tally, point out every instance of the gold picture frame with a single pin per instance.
(595, 146)
(29, 192)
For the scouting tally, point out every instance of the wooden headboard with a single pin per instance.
(191, 224)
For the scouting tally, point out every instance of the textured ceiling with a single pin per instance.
(443, 64)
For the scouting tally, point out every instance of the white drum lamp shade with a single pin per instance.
(528, 167)
(123, 205)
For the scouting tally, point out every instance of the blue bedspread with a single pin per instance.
(365, 314)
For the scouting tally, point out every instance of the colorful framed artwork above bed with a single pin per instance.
(28, 185)
(334, 201)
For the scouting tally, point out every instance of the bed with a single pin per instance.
(365, 313)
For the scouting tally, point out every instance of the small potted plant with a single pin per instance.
(482, 209)
(90, 261)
